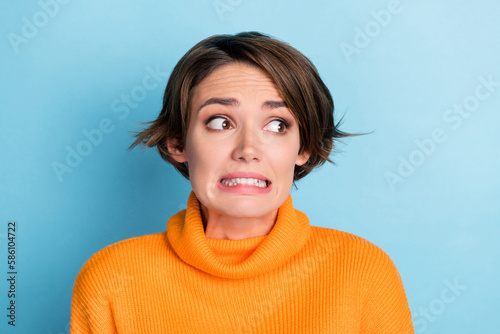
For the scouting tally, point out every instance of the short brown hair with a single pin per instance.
(296, 78)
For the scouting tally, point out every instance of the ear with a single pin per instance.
(176, 150)
(302, 158)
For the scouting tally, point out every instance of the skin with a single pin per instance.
(240, 133)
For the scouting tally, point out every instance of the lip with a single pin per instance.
(244, 188)
(234, 175)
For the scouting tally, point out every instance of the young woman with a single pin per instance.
(244, 116)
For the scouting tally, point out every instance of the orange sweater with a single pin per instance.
(297, 279)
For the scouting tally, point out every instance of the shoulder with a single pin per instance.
(341, 239)
(358, 267)
(120, 258)
(125, 249)
(351, 249)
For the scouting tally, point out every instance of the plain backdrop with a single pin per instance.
(77, 77)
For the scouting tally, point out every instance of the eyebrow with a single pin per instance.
(275, 104)
(234, 102)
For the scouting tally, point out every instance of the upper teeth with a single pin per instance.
(248, 181)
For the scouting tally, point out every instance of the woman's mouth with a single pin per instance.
(245, 181)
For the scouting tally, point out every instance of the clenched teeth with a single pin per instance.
(246, 181)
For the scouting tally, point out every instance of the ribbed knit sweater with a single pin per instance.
(297, 279)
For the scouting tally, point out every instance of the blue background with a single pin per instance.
(398, 68)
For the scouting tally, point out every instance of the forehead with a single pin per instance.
(235, 79)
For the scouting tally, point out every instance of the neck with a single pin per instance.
(219, 226)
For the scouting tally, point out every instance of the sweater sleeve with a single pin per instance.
(386, 309)
(91, 306)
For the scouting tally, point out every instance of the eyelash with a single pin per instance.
(210, 119)
(285, 123)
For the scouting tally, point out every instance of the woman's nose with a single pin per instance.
(248, 145)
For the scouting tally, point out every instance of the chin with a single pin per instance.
(245, 207)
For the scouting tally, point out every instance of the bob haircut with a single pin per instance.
(295, 77)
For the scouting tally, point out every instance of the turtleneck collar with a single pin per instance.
(237, 259)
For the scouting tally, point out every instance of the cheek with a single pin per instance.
(204, 162)
(284, 156)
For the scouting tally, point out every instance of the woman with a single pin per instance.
(244, 116)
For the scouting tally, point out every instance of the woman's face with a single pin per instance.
(242, 143)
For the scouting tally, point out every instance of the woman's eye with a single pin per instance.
(277, 126)
(219, 123)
